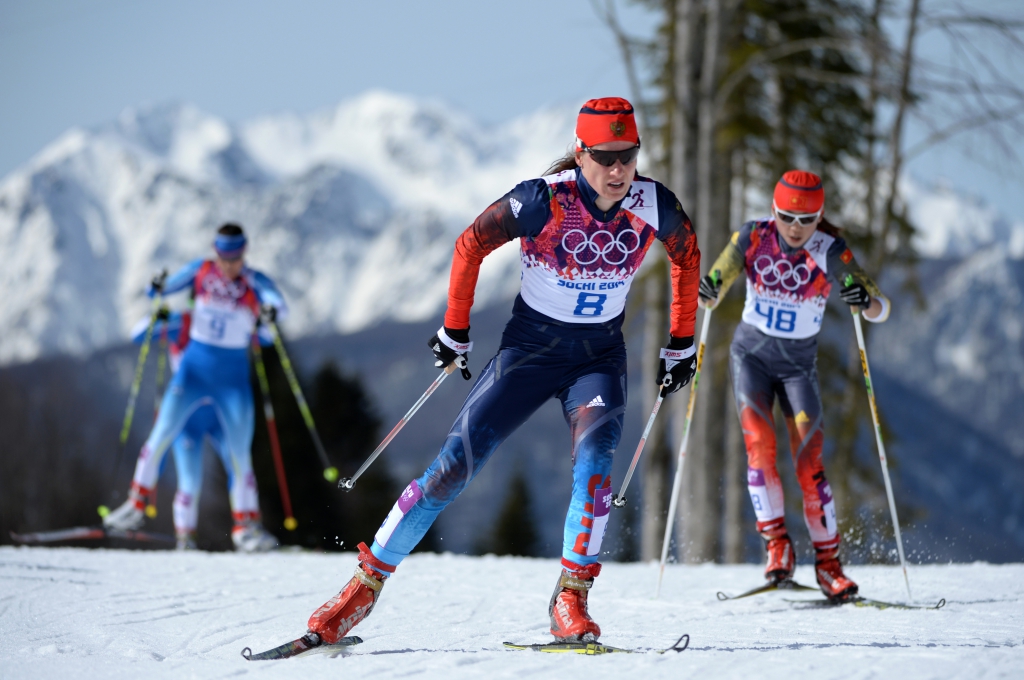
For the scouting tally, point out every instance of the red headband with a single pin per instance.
(799, 191)
(609, 119)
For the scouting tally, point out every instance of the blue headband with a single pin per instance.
(229, 247)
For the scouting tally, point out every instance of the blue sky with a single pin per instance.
(75, 63)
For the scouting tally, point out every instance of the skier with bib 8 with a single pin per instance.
(211, 385)
(583, 229)
(787, 260)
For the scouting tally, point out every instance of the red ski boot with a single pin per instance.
(781, 560)
(341, 613)
(833, 582)
(568, 608)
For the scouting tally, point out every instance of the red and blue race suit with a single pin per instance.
(564, 341)
(210, 390)
(774, 354)
(202, 426)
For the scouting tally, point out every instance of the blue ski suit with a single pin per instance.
(212, 384)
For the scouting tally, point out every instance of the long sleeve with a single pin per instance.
(677, 235)
(842, 263)
(729, 263)
(181, 279)
(269, 294)
(521, 212)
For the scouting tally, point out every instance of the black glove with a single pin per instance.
(163, 314)
(157, 283)
(709, 288)
(856, 295)
(452, 344)
(678, 363)
(268, 312)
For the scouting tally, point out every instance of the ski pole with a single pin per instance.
(161, 365)
(330, 472)
(878, 436)
(678, 481)
(158, 393)
(347, 483)
(275, 445)
(133, 393)
(619, 500)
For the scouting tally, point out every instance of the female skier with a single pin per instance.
(201, 426)
(214, 373)
(788, 259)
(583, 230)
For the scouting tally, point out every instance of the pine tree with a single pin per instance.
(514, 532)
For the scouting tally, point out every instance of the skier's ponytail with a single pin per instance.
(829, 228)
(566, 162)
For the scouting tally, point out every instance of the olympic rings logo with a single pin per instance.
(601, 244)
(781, 272)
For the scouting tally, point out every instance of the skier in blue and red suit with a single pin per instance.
(789, 261)
(203, 426)
(584, 230)
(213, 375)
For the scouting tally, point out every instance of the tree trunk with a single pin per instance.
(701, 518)
(682, 150)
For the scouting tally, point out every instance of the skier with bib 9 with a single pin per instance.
(583, 229)
(202, 427)
(213, 376)
(788, 259)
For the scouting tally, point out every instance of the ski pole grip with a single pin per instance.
(847, 282)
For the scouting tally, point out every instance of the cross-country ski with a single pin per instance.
(307, 644)
(595, 648)
(784, 584)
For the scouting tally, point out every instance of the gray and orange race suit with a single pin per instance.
(774, 354)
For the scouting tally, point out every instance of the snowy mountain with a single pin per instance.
(353, 210)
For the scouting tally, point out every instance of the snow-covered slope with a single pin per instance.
(70, 613)
(354, 210)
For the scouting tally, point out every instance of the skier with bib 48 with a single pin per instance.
(212, 384)
(583, 229)
(788, 259)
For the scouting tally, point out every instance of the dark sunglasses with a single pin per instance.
(790, 218)
(608, 158)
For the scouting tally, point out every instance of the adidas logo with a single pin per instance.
(516, 207)
(596, 401)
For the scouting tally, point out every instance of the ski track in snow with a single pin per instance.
(115, 614)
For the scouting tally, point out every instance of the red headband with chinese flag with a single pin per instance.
(799, 191)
